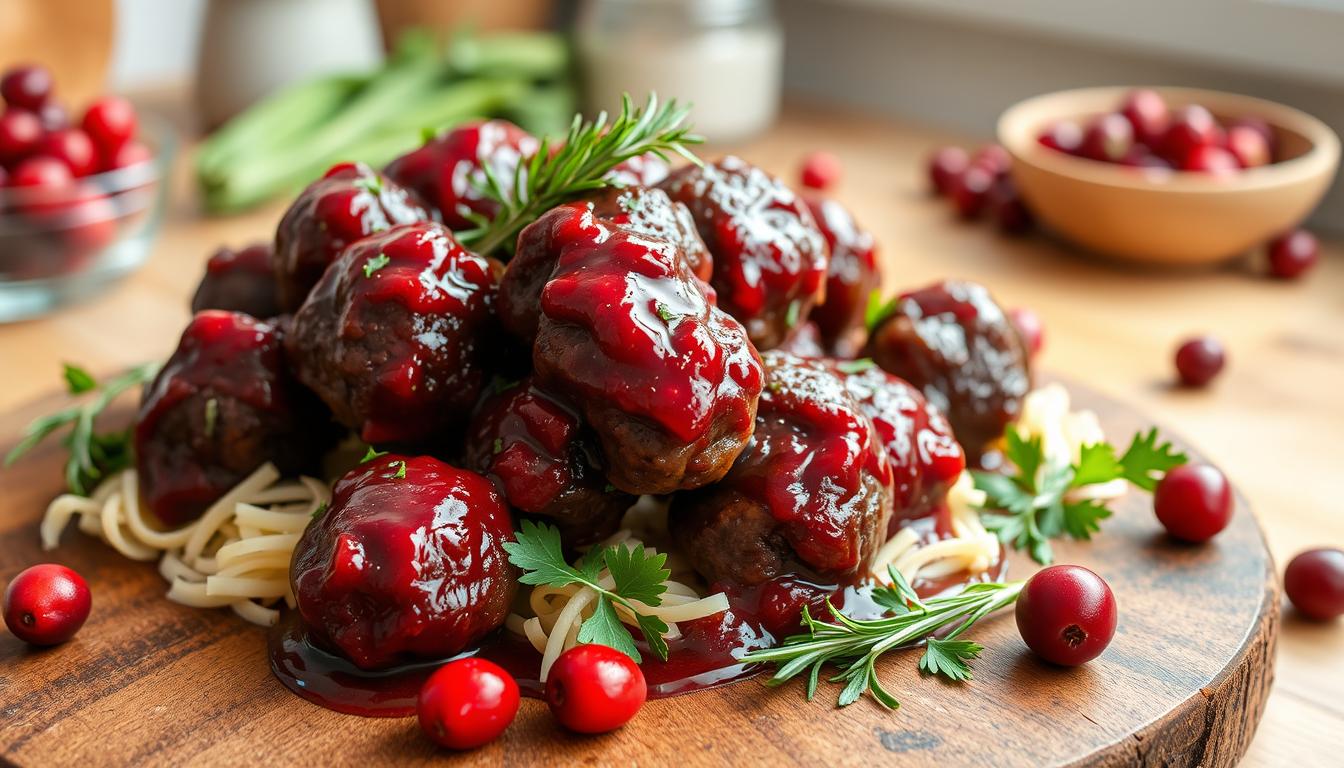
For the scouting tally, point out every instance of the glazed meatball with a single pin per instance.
(642, 211)
(393, 337)
(769, 257)
(810, 494)
(805, 342)
(406, 563)
(667, 382)
(223, 405)
(851, 275)
(239, 281)
(448, 170)
(348, 203)
(536, 451)
(925, 458)
(954, 342)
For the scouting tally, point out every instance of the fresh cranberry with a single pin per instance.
(1191, 127)
(53, 117)
(993, 158)
(45, 181)
(946, 166)
(1199, 360)
(595, 689)
(467, 703)
(1248, 146)
(1260, 126)
(1028, 324)
(1006, 207)
(821, 170)
(970, 191)
(1147, 112)
(110, 122)
(72, 147)
(46, 604)
(128, 155)
(1064, 136)
(1212, 160)
(1066, 614)
(1193, 502)
(1108, 138)
(1292, 254)
(26, 87)
(1314, 581)
(20, 133)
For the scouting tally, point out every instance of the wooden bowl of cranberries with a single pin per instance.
(80, 193)
(1174, 176)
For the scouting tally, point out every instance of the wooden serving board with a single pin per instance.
(148, 682)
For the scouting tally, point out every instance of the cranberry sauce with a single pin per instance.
(850, 277)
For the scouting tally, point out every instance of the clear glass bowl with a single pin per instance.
(61, 246)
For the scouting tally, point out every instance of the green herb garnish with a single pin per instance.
(579, 166)
(77, 380)
(93, 455)
(877, 310)
(321, 510)
(854, 645)
(211, 416)
(793, 314)
(498, 446)
(371, 454)
(638, 578)
(855, 366)
(1028, 508)
(375, 264)
(664, 312)
(400, 474)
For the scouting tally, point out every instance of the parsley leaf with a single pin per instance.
(637, 574)
(948, 658)
(77, 380)
(537, 551)
(1145, 461)
(664, 312)
(604, 627)
(1096, 464)
(400, 474)
(497, 447)
(855, 366)
(375, 264)
(371, 454)
(878, 311)
(321, 510)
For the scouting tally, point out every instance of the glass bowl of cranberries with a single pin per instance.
(1174, 176)
(81, 193)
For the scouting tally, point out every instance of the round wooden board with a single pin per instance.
(148, 682)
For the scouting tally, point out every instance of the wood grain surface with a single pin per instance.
(1272, 421)
(1183, 683)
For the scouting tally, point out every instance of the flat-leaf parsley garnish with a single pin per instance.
(375, 264)
(638, 578)
(1032, 506)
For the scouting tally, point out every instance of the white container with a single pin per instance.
(722, 56)
(251, 48)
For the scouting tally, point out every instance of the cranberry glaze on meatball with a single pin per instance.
(667, 381)
(852, 274)
(348, 203)
(393, 338)
(239, 281)
(223, 405)
(810, 494)
(407, 563)
(535, 449)
(448, 171)
(954, 342)
(769, 257)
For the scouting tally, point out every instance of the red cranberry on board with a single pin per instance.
(1064, 136)
(467, 703)
(1199, 360)
(110, 122)
(1193, 502)
(1191, 126)
(1314, 581)
(1108, 138)
(1066, 614)
(1029, 324)
(1215, 161)
(994, 158)
(72, 147)
(821, 170)
(1248, 145)
(1007, 209)
(595, 689)
(1292, 254)
(46, 604)
(970, 191)
(945, 166)
(26, 87)
(20, 133)
(1147, 112)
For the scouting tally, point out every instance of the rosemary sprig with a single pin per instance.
(854, 645)
(590, 150)
(93, 455)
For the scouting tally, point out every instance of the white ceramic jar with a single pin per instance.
(722, 56)
(251, 48)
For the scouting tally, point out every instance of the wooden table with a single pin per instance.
(1272, 421)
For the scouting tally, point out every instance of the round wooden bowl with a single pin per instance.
(1162, 217)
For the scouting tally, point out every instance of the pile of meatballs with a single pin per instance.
(697, 333)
